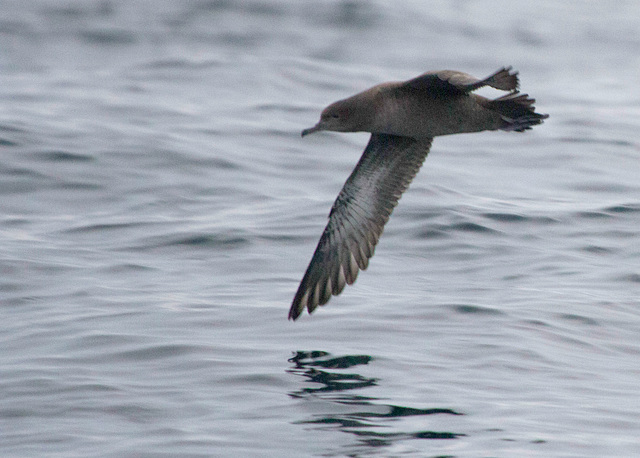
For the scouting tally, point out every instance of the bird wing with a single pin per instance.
(447, 82)
(358, 216)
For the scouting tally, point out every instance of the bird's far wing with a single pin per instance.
(447, 82)
(358, 216)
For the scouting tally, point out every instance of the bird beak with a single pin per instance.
(311, 130)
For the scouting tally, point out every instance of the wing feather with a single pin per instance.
(450, 82)
(358, 216)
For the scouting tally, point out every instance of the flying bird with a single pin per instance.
(402, 117)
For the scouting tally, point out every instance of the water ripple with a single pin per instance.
(364, 415)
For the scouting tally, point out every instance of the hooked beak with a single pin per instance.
(311, 130)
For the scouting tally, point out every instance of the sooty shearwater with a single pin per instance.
(403, 117)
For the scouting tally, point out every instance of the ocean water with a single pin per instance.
(158, 209)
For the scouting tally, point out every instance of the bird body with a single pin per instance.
(403, 117)
(438, 115)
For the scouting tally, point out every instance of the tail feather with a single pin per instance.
(517, 111)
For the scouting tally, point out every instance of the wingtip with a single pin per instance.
(295, 311)
(300, 302)
(505, 79)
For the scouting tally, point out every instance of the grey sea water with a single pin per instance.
(158, 209)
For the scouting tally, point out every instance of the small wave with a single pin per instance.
(475, 309)
(109, 37)
(600, 141)
(472, 227)
(518, 218)
(62, 156)
(579, 319)
(181, 63)
(5, 142)
(624, 208)
(609, 211)
(631, 278)
(156, 352)
(221, 240)
(100, 227)
(595, 249)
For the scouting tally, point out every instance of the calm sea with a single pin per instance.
(158, 209)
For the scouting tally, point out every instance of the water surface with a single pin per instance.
(158, 209)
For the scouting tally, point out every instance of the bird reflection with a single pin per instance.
(307, 362)
(335, 381)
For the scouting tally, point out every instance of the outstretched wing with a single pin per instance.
(449, 82)
(358, 216)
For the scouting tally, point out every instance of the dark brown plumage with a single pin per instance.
(403, 118)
